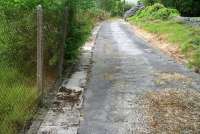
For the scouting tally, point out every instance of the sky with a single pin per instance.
(134, 1)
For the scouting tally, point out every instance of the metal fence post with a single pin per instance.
(62, 47)
(40, 49)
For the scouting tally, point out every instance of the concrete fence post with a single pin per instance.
(40, 51)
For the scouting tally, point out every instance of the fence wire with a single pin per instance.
(19, 95)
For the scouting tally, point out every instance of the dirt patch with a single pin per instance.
(165, 78)
(173, 111)
(160, 42)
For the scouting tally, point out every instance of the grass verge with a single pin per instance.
(18, 100)
(184, 36)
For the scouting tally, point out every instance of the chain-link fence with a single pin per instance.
(31, 51)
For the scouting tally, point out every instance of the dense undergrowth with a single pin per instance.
(159, 20)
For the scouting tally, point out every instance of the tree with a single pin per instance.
(115, 7)
(185, 7)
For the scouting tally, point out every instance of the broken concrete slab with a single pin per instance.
(78, 79)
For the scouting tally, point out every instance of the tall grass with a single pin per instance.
(18, 99)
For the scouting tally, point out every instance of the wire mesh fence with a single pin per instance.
(19, 92)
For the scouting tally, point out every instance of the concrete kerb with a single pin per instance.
(64, 117)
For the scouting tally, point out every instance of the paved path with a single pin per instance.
(124, 68)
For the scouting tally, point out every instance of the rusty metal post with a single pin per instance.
(40, 53)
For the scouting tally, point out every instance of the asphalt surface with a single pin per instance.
(125, 67)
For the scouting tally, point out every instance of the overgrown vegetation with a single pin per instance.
(159, 20)
(185, 7)
(18, 94)
(157, 11)
(82, 20)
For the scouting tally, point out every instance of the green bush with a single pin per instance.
(80, 29)
(156, 11)
(165, 13)
(18, 39)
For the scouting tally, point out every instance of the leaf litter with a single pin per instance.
(172, 111)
